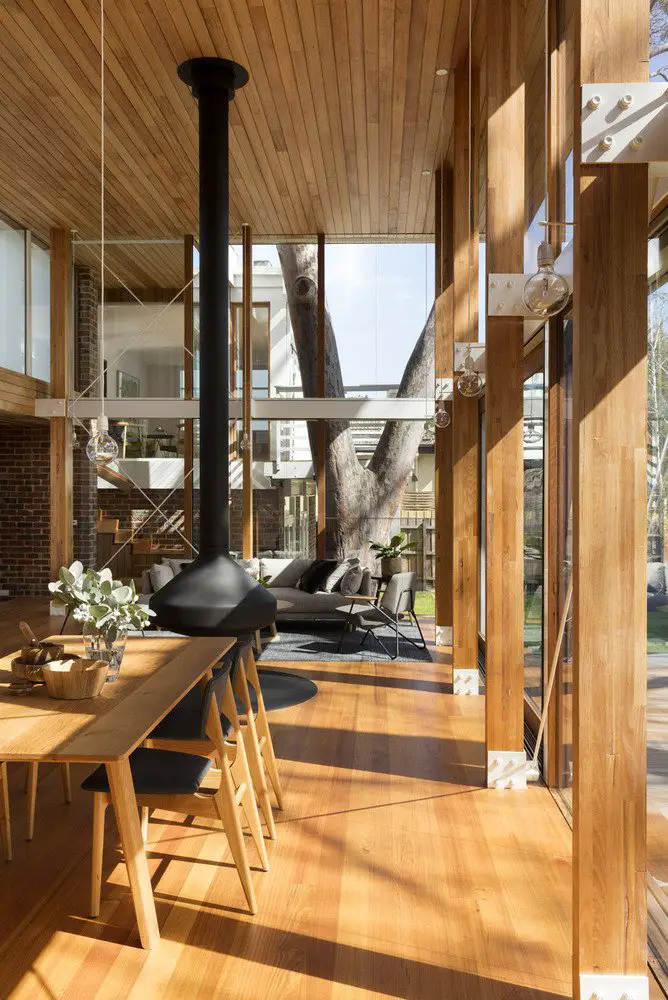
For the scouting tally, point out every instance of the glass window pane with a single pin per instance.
(12, 299)
(533, 536)
(565, 557)
(40, 314)
(657, 586)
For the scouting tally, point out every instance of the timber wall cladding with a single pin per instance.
(342, 114)
(24, 510)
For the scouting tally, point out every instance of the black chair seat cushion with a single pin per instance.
(157, 772)
(184, 722)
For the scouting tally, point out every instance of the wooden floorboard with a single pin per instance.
(395, 874)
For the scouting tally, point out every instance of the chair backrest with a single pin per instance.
(399, 594)
(216, 688)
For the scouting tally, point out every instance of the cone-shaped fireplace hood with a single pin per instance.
(214, 595)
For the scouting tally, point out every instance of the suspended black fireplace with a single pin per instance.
(214, 595)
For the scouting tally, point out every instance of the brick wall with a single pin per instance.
(24, 509)
(267, 533)
(131, 509)
(86, 368)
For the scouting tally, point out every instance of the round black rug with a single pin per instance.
(282, 690)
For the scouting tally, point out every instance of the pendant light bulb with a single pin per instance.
(546, 292)
(470, 383)
(441, 416)
(101, 446)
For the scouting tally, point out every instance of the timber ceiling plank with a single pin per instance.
(342, 116)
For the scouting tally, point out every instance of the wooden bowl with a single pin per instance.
(24, 671)
(74, 679)
(42, 653)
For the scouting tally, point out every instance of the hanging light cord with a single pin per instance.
(547, 126)
(102, 220)
(470, 169)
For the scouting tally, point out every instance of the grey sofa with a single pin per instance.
(283, 576)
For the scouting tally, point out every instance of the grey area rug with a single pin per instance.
(308, 647)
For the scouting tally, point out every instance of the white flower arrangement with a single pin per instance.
(96, 599)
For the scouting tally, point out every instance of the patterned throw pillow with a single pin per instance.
(333, 581)
(352, 581)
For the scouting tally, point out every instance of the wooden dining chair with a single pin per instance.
(32, 775)
(183, 723)
(173, 780)
(31, 790)
(256, 717)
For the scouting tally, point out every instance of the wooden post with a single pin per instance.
(61, 487)
(553, 489)
(321, 459)
(465, 423)
(188, 365)
(504, 681)
(247, 461)
(609, 525)
(443, 205)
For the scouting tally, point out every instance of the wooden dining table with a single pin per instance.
(155, 674)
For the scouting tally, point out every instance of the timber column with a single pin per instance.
(61, 488)
(465, 423)
(443, 317)
(609, 526)
(504, 678)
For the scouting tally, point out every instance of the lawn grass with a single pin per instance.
(657, 631)
(657, 622)
(425, 602)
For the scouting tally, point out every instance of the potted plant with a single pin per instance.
(106, 607)
(390, 554)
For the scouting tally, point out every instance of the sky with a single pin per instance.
(378, 297)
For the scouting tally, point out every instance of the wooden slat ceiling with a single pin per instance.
(343, 115)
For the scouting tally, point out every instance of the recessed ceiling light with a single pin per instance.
(441, 72)
(426, 173)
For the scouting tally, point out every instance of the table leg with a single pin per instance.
(5, 821)
(127, 819)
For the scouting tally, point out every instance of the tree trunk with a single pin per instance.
(363, 502)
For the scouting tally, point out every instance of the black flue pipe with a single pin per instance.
(213, 82)
(213, 595)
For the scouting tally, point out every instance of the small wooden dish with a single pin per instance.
(42, 652)
(74, 679)
(25, 671)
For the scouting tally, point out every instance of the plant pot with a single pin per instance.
(105, 646)
(388, 567)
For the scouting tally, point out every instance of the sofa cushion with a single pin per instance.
(352, 581)
(252, 566)
(333, 581)
(315, 575)
(283, 572)
(656, 578)
(176, 564)
(159, 575)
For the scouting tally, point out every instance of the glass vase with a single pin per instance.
(108, 646)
